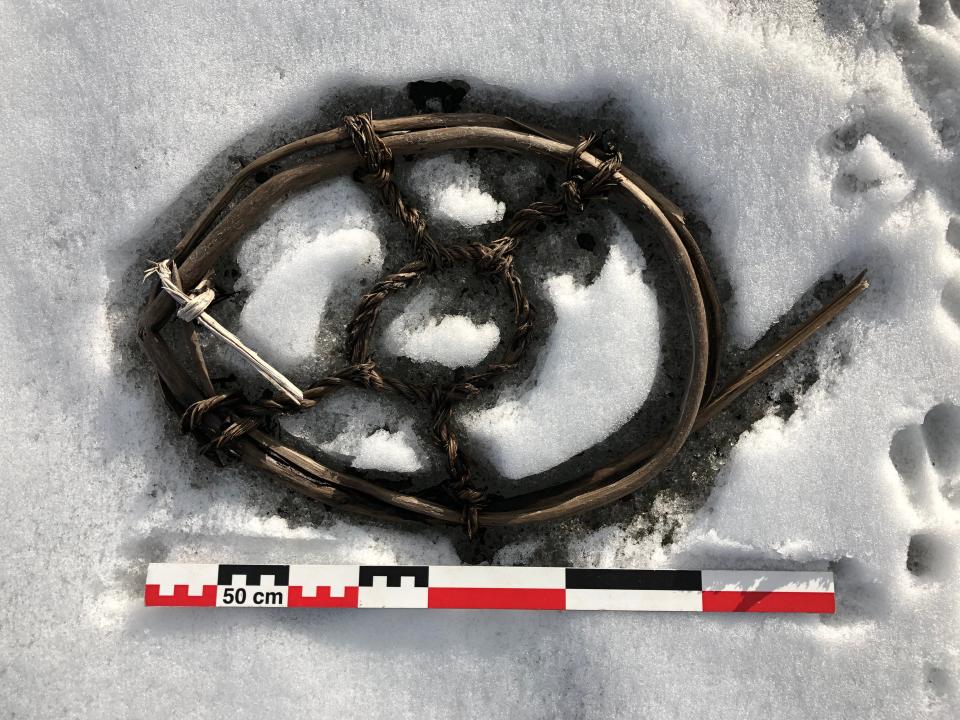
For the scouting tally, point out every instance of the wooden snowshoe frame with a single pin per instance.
(228, 422)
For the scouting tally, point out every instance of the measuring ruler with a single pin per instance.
(486, 588)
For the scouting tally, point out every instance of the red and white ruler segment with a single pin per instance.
(486, 588)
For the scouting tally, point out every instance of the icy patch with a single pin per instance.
(453, 191)
(598, 367)
(452, 340)
(281, 317)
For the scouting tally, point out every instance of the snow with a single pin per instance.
(451, 340)
(868, 173)
(580, 393)
(283, 313)
(382, 450)
(314, 215)
(453, 192)
(811, 137)
(370, 430)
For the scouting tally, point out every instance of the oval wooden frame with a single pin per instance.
(212, 235)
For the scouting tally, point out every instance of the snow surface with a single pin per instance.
(453, 191)
(306, 217)
(810, 137)
(580, 392)
(451, 340)
(370, 430)
(282, 316)
(318, 242)
(381, 450)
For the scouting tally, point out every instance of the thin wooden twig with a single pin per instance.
(193, 307)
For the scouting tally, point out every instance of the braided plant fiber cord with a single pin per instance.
(229, 422)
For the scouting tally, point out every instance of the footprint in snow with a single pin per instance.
(927, 458)
(950, 297)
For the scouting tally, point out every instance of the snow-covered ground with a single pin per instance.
(811, 138)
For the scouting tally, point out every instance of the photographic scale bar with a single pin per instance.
(487, 588)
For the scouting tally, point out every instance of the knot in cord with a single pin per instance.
(197, 303)
(376, 155)
(192, 416)
(572, 199)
